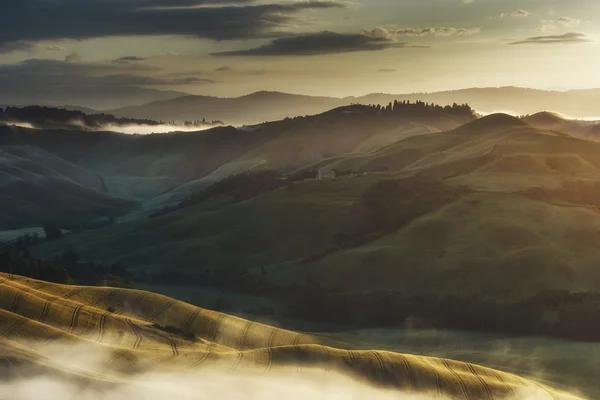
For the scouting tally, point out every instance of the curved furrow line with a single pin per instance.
(135, 301)
(138, 336)
(486, 387)
(204, 356)
(297, 340)
(173, 347)
(460, 380)
(242, 340)
(16, 325)
(380, 363)
(215, 329)
(116, 356)
(236, 362)
(74, 318)
(72, 293)
(40, 286)
(46, 309)
(102, 324)
(412, 380)
(509, 388)
(161, 310)
(271, 337)
(269, 359)
(439, 382)
(13, 305)
(526, 383)
(55, 336)
(192, 318)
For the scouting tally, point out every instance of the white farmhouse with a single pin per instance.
(325, 174)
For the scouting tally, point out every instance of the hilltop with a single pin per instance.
(267, 106)
(557, 122)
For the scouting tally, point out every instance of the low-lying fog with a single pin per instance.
(130, 129)
(210, 383)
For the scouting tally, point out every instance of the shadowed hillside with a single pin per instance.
(37, 187)
(496, 238)
(140, 167)
(129, 332)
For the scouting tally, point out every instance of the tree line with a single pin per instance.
(405, 106)
(67, 268)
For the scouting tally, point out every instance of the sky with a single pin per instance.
(318, 47)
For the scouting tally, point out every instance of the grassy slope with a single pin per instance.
(166, 167)
(36, 186)
(479, 244)
(124, 339)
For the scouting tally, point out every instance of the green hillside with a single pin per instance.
(37, 187)
(511, 220)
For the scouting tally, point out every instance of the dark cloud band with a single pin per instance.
(33, 20)
(567, 38)
(319, 43)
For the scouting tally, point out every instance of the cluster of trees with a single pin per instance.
(563, 314)
(400, 107)
(392, 203)
(21, 262)
(198, 122)
(238, 187)
(67, 268)
(49, 117)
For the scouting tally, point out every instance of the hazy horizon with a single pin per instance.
(67, 49)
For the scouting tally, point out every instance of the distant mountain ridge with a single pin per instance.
(268, 106)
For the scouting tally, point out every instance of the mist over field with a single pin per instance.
(290, 383)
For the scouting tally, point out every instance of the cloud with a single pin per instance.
(517, 13)
(73, 58)
(568, 21)
(36, 20)
(18, 45)
(435, 31)
(223, 69)
(128, 59)
(386, 70)
(553, 24)
(325, 42)
(567, 38)
(139, 80)
(54, 47)
(37, 76)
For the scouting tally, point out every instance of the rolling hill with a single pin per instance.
(523, 221)
(37, 187)
(142, 167)
(267, 106)
(574, 127)
(100, 338)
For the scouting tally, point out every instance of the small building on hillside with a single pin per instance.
(325, 174)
